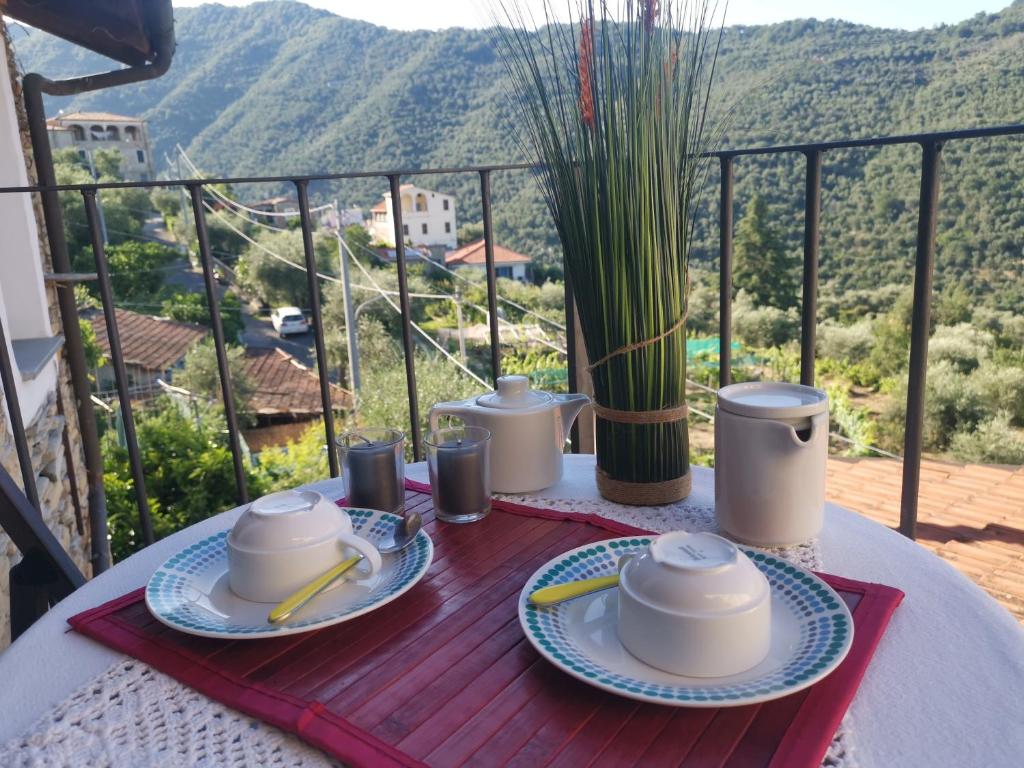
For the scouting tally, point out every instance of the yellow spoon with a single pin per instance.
(558, 593)
(296, 600)
(404, 535)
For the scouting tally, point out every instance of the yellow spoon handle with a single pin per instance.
(560, 592)
(293, 602)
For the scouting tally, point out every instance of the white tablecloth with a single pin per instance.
(946, 686)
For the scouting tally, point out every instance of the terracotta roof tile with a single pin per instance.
(284, 385)
(971, 515)
(152, 343)
(473, 253)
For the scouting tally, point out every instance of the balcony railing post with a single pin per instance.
(403, 299)
(924, 270)
(809, 304)
(230, 415)
(124, 397)
(302, 187)
(492, 290)
(725, 273)
(32, 85)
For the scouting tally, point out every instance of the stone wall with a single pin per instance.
(51, 464)
(44, 439)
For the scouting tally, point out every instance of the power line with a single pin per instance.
(376, 287)
(391, 303)
(147, 239)
(216, 193)
(465, 279)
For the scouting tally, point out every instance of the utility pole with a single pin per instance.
(350, 321)
(458, 315)
(99, 203)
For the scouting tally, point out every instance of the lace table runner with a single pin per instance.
(132, 715)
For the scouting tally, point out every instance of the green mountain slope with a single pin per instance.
(278, 88)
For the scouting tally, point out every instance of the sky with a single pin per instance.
(439, 14)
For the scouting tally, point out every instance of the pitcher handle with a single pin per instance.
(445, 409)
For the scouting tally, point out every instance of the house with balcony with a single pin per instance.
(428, 219)
(88, 132)
(507, 263)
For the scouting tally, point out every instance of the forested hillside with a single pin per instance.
(282, 88)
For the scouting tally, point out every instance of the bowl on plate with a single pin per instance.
(693, 604)
(286, 539)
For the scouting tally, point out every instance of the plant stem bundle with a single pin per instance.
(614, 107)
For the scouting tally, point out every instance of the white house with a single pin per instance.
(91, 131)
(507, 263)
(428, 218)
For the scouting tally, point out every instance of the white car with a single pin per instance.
(288, 320)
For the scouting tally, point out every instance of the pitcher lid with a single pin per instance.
(514, 393)
(772, 400)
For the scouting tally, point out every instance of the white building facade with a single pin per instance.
(428, 218)
(91, 131)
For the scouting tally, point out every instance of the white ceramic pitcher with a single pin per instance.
(528, 431)
(771, 444)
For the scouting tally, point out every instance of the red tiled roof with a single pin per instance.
(380, 207)
(971, 515)
(152, 343)
(284, 385)
(474, 254)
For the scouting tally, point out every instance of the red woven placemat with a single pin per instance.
(444, 676)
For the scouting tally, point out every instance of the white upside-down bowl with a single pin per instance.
(285, 540)
(694, 605)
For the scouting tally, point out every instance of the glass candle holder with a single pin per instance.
(373, 467)
(458, 459)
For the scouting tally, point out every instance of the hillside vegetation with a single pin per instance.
(276, 88)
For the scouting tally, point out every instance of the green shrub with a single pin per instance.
(763, 326)
(1001, 388)
(992, 441)
(295, 463)
(188, 470)
(854, 423)
(952, 405)
(848, 343)
(963, 346)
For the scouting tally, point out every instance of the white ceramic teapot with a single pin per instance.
(528, 431)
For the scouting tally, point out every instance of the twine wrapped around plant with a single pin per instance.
(615, 111)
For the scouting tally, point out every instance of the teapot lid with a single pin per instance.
(514, 393)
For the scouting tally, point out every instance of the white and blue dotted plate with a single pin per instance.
(812, 631)
(190, 591)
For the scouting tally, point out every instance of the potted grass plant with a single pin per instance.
(614, 107)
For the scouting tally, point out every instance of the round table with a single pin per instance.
(945, 688)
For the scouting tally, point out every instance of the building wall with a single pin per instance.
(132, 167)
(421, 208)
(517, 271)
(43, 424)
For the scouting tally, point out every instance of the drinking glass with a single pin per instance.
(458, 459)
(373, 467)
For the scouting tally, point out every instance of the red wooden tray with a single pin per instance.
(444, 676)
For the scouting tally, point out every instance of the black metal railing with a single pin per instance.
(815, 153)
